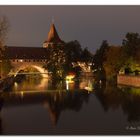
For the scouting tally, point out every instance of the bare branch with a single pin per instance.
(4, 26)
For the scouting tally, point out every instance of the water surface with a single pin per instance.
(42, 107)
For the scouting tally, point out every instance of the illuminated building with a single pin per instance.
(53, 39)
(33, 56)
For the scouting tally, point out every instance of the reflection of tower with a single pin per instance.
(57, 102)
(54, 106)
(53, 38)
(54, 114)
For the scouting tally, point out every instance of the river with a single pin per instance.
(38, 106)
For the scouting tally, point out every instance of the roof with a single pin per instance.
(53, 35)
(14, 52)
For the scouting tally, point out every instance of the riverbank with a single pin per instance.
(128, 80)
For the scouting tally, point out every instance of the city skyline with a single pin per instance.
(90, 25)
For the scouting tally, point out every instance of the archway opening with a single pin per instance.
(31, 70)
(29, 79)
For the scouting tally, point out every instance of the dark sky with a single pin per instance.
(29, 25)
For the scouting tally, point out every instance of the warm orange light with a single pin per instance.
(70, 78)
(21, 60)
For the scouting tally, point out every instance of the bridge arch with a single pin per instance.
(22, 66)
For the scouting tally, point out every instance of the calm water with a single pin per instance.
(40, 106)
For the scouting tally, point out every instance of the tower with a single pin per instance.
(53, 39)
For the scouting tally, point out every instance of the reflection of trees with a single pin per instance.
(58, 102)
(55, 101)
(112, 97)
(131, 104)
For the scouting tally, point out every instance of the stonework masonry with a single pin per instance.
(128, 80)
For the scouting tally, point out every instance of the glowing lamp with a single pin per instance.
(21, 60)
(70, 77)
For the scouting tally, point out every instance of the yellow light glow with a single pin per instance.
(87, 85)
(67, 85)
(15, 84)
(22, 94)
(21, 60)
(69, 78)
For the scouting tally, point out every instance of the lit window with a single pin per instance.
(21, 60)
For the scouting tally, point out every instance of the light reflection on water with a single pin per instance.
(31, 84)
(44, 84)
(42, 106)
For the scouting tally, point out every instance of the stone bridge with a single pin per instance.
(20, 65)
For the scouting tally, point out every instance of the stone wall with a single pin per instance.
(128, 80)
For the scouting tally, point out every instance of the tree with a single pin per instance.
(99, 57)
(61, 58)
(4, 26)
(5, 67)
(131, 48)
(98, 61)
(114, 62)
(56, 62)
(5, 63)
(86, 56)
(130, 44)
(73, 51)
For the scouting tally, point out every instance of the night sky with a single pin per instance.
(90, 25)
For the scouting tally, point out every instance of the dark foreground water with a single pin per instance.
(42, 107)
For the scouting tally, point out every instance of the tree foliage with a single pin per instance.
(100, 56)
(112, 59)
(5, 65)
(98, 61)
(61, 58)
(131, 43)
(73, 51)
(86, 56)
(4, 26)
(131, 48)
(56, 61)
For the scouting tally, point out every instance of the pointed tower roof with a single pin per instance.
(53, 35)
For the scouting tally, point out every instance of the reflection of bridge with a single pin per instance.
(44, 74)
(55, 103)
(37, 92)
